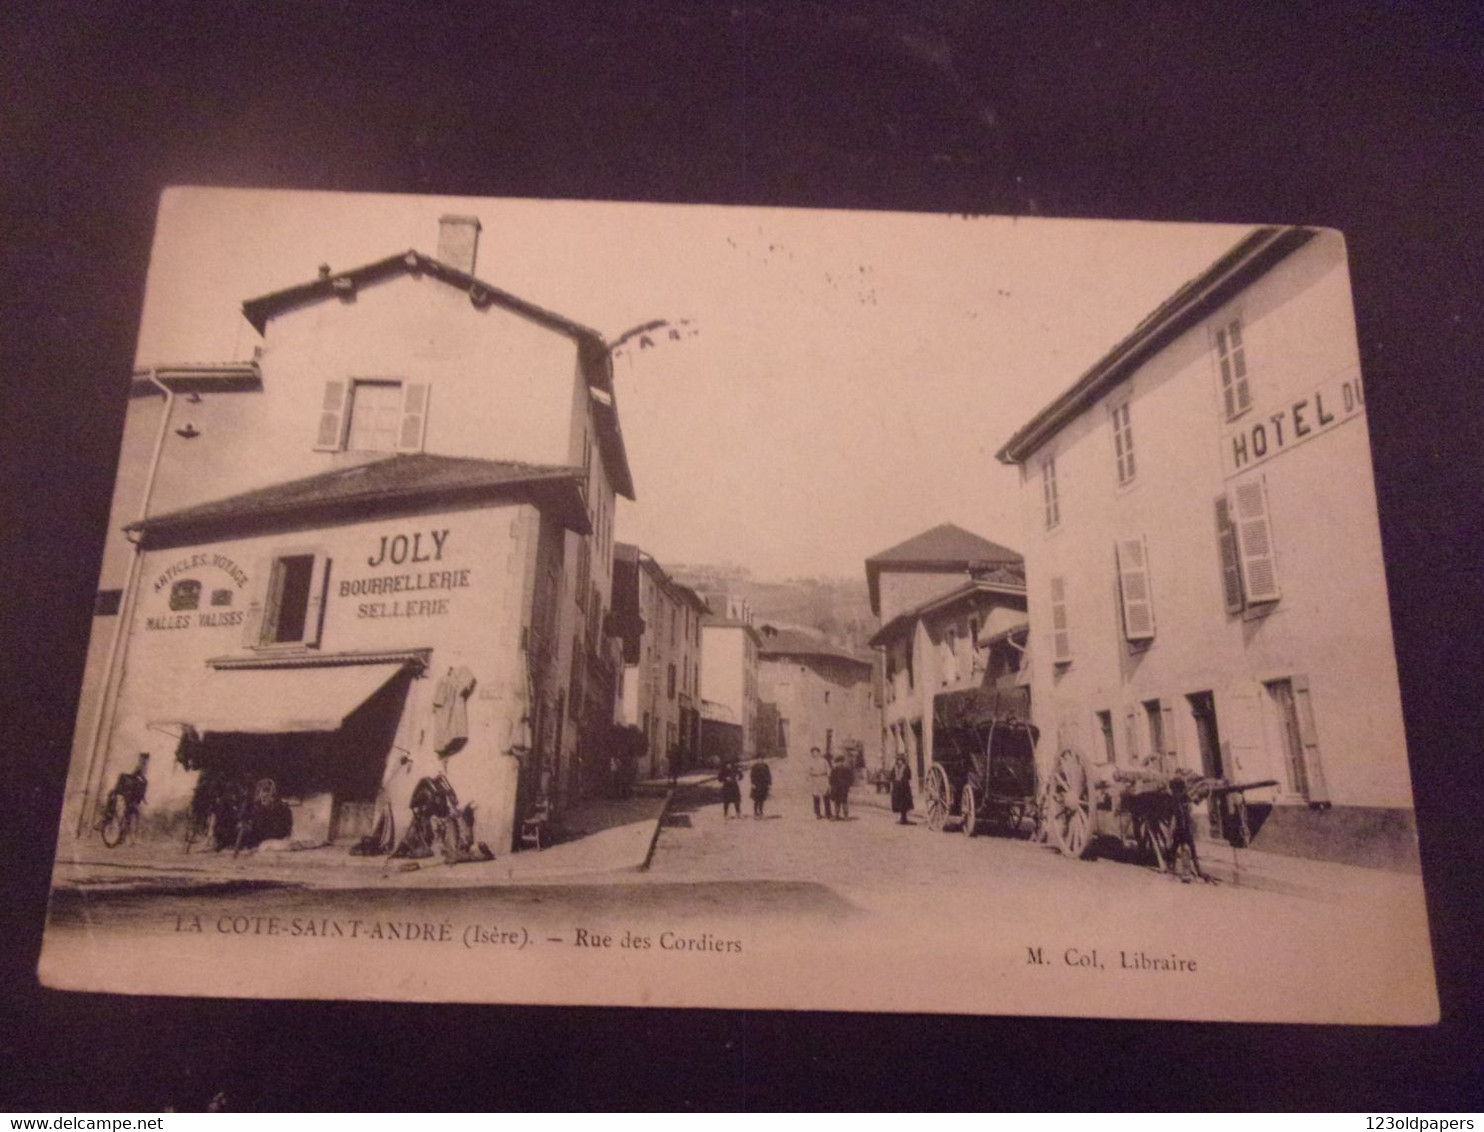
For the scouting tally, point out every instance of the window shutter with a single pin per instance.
(1131, 737)
(1061, 637)
(1167, 734)
(332, 418)
(1231, 570)
(1249, 509)
(314, 617)
(252, 623)
(1239, 367)
(414, 417)
(1133, 587)
(1309, 736)
(1228, 394)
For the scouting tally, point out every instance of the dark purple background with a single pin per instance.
(1363, 119)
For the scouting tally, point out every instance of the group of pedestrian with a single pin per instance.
(830, 780)
(761, 777)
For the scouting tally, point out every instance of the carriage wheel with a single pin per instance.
(969, 805)
(935, 790)
(1070, 805)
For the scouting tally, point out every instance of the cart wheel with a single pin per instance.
(935, 790)
(1070, 806)
(969, 805)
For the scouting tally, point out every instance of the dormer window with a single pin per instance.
(373, 415)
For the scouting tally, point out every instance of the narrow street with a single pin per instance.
(884, 916)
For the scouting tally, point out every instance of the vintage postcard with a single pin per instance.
(533, 602)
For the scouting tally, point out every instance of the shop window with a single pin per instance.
(1231, 359)
(1048, 492)
(1123, 444)
(1061, 635)
(373, 416)
(1134, 589)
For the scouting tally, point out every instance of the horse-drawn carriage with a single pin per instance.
(984, 762)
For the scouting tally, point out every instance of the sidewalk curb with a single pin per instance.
(654, 837)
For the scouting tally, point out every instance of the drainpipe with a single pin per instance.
(113, 672)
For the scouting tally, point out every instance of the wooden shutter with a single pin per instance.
(1167, 735)
(1239, 366)
(414, 423)
(252, 623)
(1249, 512)
(1223, 356)
(314, 614)
(1231, 570)
(331, 436)
(1061, 637)
(1133, 587)
(1309, 736)
(1131, 737)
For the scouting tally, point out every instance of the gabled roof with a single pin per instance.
(592, 350)
(999, 582)
(791, 642)
(1252, 257)
(945, 548)
(392, 484)
(412, 262)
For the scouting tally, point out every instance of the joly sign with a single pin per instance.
(408, 576)
(1261, 436)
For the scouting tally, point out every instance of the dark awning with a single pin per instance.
(266, 701)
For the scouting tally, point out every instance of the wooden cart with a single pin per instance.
(984, 763)
(1147, 810)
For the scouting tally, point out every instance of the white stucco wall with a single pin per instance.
(1332, 623)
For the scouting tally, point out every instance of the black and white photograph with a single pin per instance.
(769, 555)
(595, 603)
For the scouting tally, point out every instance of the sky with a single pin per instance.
(840, 381)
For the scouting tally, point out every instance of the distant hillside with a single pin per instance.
(838, 608)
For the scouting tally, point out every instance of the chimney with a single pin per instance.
(458, 242)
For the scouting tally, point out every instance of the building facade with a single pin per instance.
(812, 693)
(660, 624)
(347, 574)
(953, 611)
(1205, 575)
(729, 689)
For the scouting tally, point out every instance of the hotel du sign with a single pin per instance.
(1263, 433)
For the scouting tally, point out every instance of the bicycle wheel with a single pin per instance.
(113, 827)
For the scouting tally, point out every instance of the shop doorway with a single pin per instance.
(1208, 740)
(330, 780)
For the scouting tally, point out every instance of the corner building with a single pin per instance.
(378, 552)
(1203, 556)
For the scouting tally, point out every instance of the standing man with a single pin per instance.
(842, 777)
(731, 792)
(819, 781)
(901, 789)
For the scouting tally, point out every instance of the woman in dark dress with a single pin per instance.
(762, 782)
(731, 793)
(901, 789)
